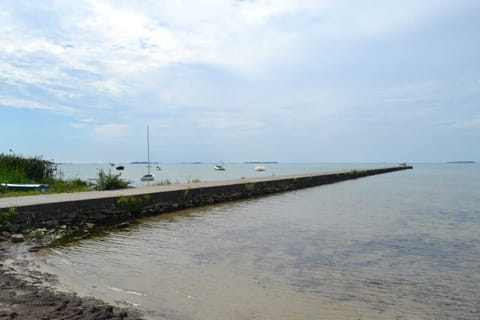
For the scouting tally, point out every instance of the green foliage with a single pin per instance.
(165, 182)
(6, 218)
(250, 187)
(110, 181)
(194, 180)
(355, 172)
(19, 169)
(132, 203)
(74, 185)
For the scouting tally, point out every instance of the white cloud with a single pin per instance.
(112, 132)
(30, 104)
(108, 48)
(110, 87)
(120, 41)
(82, 123)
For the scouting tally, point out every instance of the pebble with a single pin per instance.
(16, 238)
(5, 234)
(123, 225)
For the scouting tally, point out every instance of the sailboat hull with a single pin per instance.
(147, 177)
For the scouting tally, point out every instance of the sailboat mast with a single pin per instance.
(148, 150)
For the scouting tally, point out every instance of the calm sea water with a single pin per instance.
(403, 245)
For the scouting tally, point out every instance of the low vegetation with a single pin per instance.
(165, 182)
(110, 181)
(250, 187)
(130, 203)
(6, 218)
(16, 169)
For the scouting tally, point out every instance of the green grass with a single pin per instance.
(56, 186)
(19, 169)
(35, 170)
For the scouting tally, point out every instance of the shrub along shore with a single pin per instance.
(15, 169)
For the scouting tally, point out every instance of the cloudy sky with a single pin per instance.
(284, 80)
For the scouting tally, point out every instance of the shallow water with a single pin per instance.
(402, 245)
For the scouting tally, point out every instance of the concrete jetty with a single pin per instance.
(109, 207)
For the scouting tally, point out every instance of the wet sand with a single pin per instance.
(31, 297)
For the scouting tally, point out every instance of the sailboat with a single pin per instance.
(148, 176)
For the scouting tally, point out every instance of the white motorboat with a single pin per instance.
(219, 167)
(260, 168)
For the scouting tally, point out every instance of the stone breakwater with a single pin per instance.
(78, 210)
(41, 219)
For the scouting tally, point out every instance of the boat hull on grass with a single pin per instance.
(24, 187)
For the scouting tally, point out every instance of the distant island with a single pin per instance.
(270, 162)
(461, 161)
(143, 162)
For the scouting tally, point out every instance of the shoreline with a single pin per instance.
(29, 294)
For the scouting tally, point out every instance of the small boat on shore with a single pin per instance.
(24, 187)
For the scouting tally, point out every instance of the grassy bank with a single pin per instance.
(18, 169)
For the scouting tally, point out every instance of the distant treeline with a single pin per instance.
(461, 161)
(19, 169)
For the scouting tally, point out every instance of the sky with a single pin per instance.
(233, 81)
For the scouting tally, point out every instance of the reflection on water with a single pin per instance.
(396, 246)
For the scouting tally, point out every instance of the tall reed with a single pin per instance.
(19, 169)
